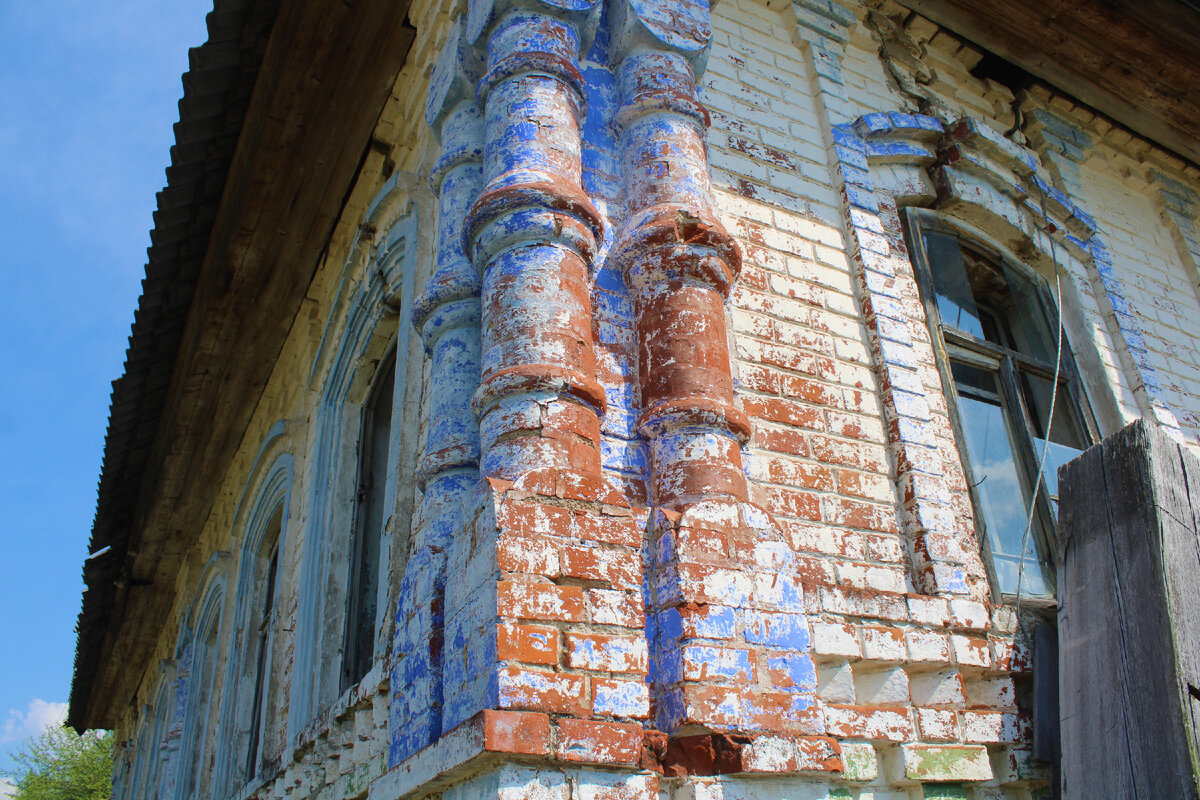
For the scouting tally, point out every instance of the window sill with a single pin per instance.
(358, 696)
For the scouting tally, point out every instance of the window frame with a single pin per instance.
(1008, 365)
(368, 461)
(164, 709)
(260, 525)
(204, 691)
(370, 316)
(262, 637)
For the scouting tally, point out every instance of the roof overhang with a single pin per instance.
(277, 117)
(1135, 61)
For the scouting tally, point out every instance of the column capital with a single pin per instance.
(483, 14)
(676, 26)
(455, 74)
(666, 243)
(543, 37)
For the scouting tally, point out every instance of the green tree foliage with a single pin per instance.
(62, 765)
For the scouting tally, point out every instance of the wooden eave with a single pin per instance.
(1135, 61)
(193, 377)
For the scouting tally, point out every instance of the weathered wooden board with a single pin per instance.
(1129, 632)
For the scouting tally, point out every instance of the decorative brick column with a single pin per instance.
(544, 615)
(447, 315)
(730, 643)
(678, 260)
(532, 233)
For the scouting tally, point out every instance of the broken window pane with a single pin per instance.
(956, 305)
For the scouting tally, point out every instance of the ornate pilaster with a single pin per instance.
(716, 607)
(532, 234)
(679, 261)
(447, 315)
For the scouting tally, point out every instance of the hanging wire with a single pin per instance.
(1037, 483)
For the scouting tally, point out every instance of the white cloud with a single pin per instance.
(7, 788)
(36, 718)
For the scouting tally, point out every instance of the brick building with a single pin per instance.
(598, 399)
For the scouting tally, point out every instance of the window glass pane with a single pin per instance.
(998, 485)
(1032, 333)
(372, 492)
(1067, 439)
(955, 303)
(266, 569)
(1008, 306)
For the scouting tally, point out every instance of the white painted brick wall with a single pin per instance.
(1158, 284)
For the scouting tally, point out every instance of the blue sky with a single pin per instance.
(88, 94)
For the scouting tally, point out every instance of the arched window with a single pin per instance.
(356, 460)
(993, 323)
(246, 741)
(198, 655)
(142, 757)
(163, 710)
(261, 633)
(371, 501)
(196, 764)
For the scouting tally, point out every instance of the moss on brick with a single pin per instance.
(946, 763)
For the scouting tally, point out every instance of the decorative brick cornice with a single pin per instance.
(494, 737)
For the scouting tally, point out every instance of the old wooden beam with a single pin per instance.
(1129, 623)
(1146, 52)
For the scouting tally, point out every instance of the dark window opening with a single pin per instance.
(263, 629)
(370, 517)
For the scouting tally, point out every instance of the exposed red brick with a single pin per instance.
(759, 379)
(848, 453)
(869, 722)
(620, 569)
(866, 485)
(540, 601)
(626, 531)
(701, 543)
(596, 742)
(531, 644)
(606, 652)
(613, 607)
(857, 514)
(705, 754)
(793, 503)
(818, 754)
(516, 732)
(811, 391)
(785, 412)
(540, 690)
(527, 554)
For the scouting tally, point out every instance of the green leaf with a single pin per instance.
(63, 765)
